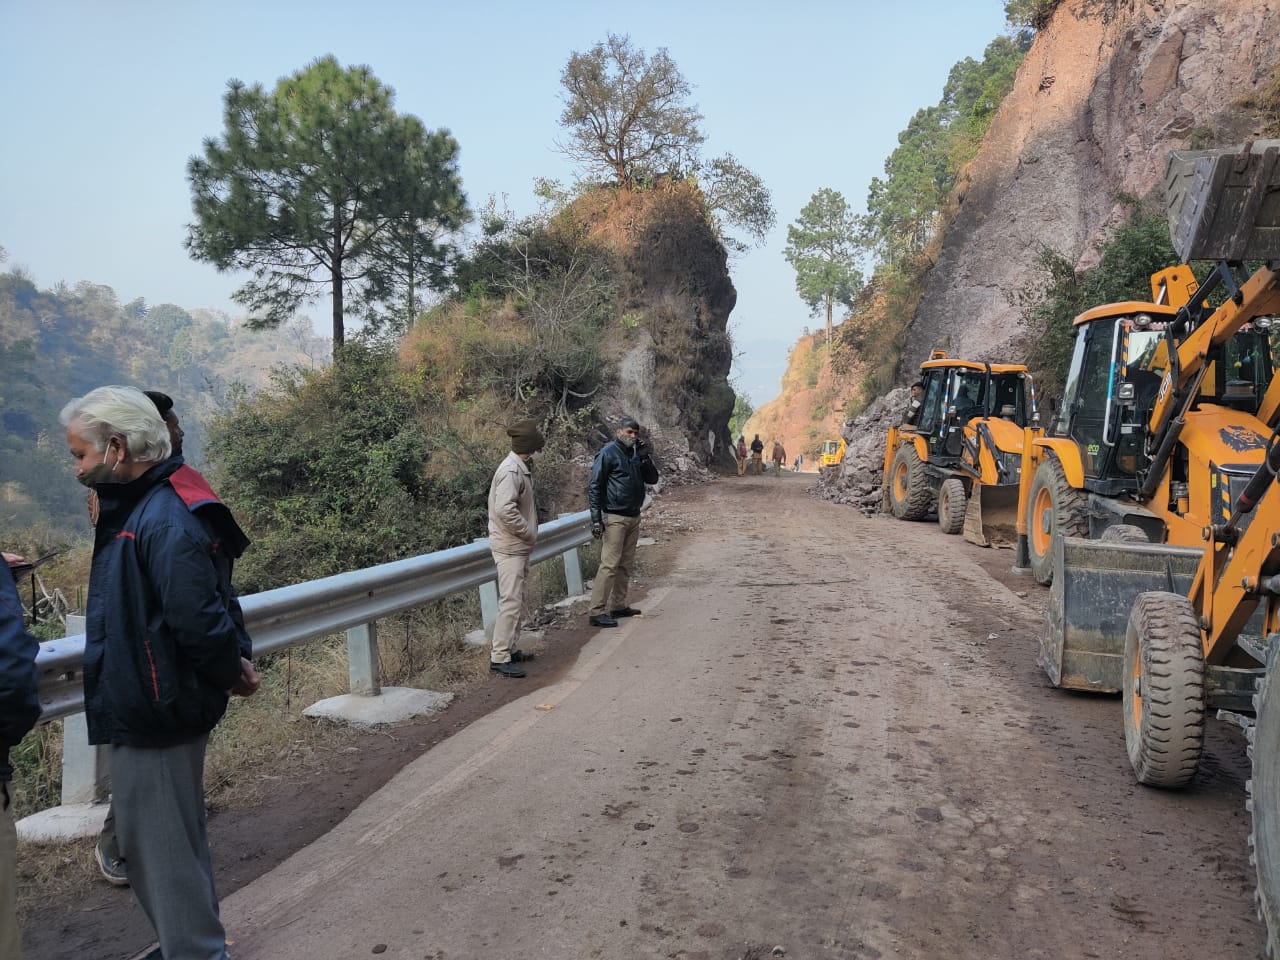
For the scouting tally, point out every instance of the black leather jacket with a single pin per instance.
(617, 480)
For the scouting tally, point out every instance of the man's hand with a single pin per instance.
(597, 529)
(642, 448)
(249, 683)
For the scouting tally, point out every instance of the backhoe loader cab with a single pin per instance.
(1102, 464)
(966, 442)
(831, 454)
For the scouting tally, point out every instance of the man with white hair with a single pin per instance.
(162, 654)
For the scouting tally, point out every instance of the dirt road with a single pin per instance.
(826, 736)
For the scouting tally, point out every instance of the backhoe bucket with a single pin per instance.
(991, 515)
(1225, 204)
(1094, 586)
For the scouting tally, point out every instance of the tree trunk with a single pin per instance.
(828, 321)
(337, 287)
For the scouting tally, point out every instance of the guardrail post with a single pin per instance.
(572, 568)
(85, 778)
(489, 606)
(362, 660)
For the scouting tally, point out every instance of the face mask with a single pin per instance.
(99, 472)
(627, 440)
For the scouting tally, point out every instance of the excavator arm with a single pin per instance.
(1258, 296)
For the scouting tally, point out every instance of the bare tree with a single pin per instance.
(627, 114)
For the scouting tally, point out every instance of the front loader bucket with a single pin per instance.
(1094, 586)
(1225, 204)
(991, 515)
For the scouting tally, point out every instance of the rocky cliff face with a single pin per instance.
(674, 353)
(1107, 90)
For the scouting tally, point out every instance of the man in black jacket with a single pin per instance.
(18, 712)
(162, 653)
(615, 494)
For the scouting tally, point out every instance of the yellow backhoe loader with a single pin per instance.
(831, 454)
(963, 455)
(1187, 626)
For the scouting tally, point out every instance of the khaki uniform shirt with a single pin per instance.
(513, 519)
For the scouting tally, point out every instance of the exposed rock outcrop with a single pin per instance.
(674, 352)
(1106, 91)
(858, 482)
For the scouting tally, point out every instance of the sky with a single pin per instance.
(107, 99)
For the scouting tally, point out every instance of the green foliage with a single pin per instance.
(320, 186)
(562, 289)
(1030, 13)
(1136, 250)
(59, 344)
(903, 208)
(822, 248)
(328, 470)
(627, 114)
(737, 197)
(742, 411)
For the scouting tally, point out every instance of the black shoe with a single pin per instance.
(509, 670)
(112, 868)
(519, 656)
(625, 612)
(603, 620)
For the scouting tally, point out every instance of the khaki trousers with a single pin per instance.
(513, 569)
(757, 464)
(617, 553)
(10, 935)
(742, 465)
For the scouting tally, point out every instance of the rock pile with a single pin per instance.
(858, 480)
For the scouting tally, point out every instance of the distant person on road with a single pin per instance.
(107, 851)
(742, 454)
(913, 408)
(615, 494)
(513, 529)
(19, 709)
(162, 654)
(779, 457)
(799, 462)
(757, 455)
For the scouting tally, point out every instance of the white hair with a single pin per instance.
(120, 411)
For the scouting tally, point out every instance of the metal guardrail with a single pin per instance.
(286, 616)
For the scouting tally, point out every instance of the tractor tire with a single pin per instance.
(910, 496)
(951, 500)
(1263, 802)
(1163, 690)
(1124, 533)
(1055, 509)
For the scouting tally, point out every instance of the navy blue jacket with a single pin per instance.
(163, 628)
(19, 707)
(618, 476)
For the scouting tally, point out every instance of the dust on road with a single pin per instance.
(826, 735)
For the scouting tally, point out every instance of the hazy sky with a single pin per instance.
(105, 100)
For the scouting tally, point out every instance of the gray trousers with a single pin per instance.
(617, 554)
(10, 934)
(158, 799)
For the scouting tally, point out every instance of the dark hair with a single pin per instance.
(628, 423)
(163, 402)
(917, 384)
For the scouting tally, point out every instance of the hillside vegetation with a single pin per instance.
(60, 343)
